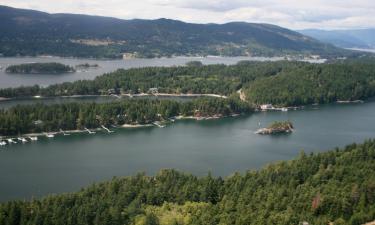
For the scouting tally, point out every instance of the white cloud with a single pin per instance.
(295, 14)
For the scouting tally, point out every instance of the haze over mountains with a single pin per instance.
(362, 38)
(29, 32)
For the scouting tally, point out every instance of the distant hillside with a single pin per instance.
(364, 38)
(28, 32)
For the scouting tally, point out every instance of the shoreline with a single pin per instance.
(124, 126)
(175, 95)
(301, 107)
(114, 96)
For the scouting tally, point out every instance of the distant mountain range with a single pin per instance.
(364, 38)
(29, 32)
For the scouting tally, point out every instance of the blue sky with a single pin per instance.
(294, 14)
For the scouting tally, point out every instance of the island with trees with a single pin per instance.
(40, 68)
(277, 127)
(86, 66)
(282, 83)
(335, 187)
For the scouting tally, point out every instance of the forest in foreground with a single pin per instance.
(336, 186)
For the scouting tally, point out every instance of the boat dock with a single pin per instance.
(89, 131)
(63, 132)
(159, 124)
(105, 128)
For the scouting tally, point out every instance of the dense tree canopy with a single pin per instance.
(316, 83)
(280, 83)
(40, 68)
(216, 79)
(72, 116)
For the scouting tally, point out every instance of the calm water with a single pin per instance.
(105, 66)
(224, 146)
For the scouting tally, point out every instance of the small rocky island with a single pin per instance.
(86, 66)
(40, 68)
(277, 127)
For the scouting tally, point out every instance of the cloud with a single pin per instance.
(209, 5)
(294, 14)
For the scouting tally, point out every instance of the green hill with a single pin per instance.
(28, 32)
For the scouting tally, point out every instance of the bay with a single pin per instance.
(66, 164)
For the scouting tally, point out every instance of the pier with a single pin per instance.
(159, 124)
(63, 132)
(105, 128)
(89, 131)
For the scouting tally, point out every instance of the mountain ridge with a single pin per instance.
(30, 32)
(351, 38)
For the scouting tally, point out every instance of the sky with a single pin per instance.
(293, 14)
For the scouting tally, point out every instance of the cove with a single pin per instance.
(224, 146)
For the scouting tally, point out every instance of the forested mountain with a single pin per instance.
(336, 187)
(362, 38)
(28, 32)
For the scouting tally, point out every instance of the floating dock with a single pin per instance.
(105, 128)
(63, 132)
(159, 124)
(89, 131)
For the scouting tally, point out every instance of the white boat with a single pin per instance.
(2, 143)
(284, 109)
(23, 140)
(50, 135)
(33, 138)
(10, 141)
